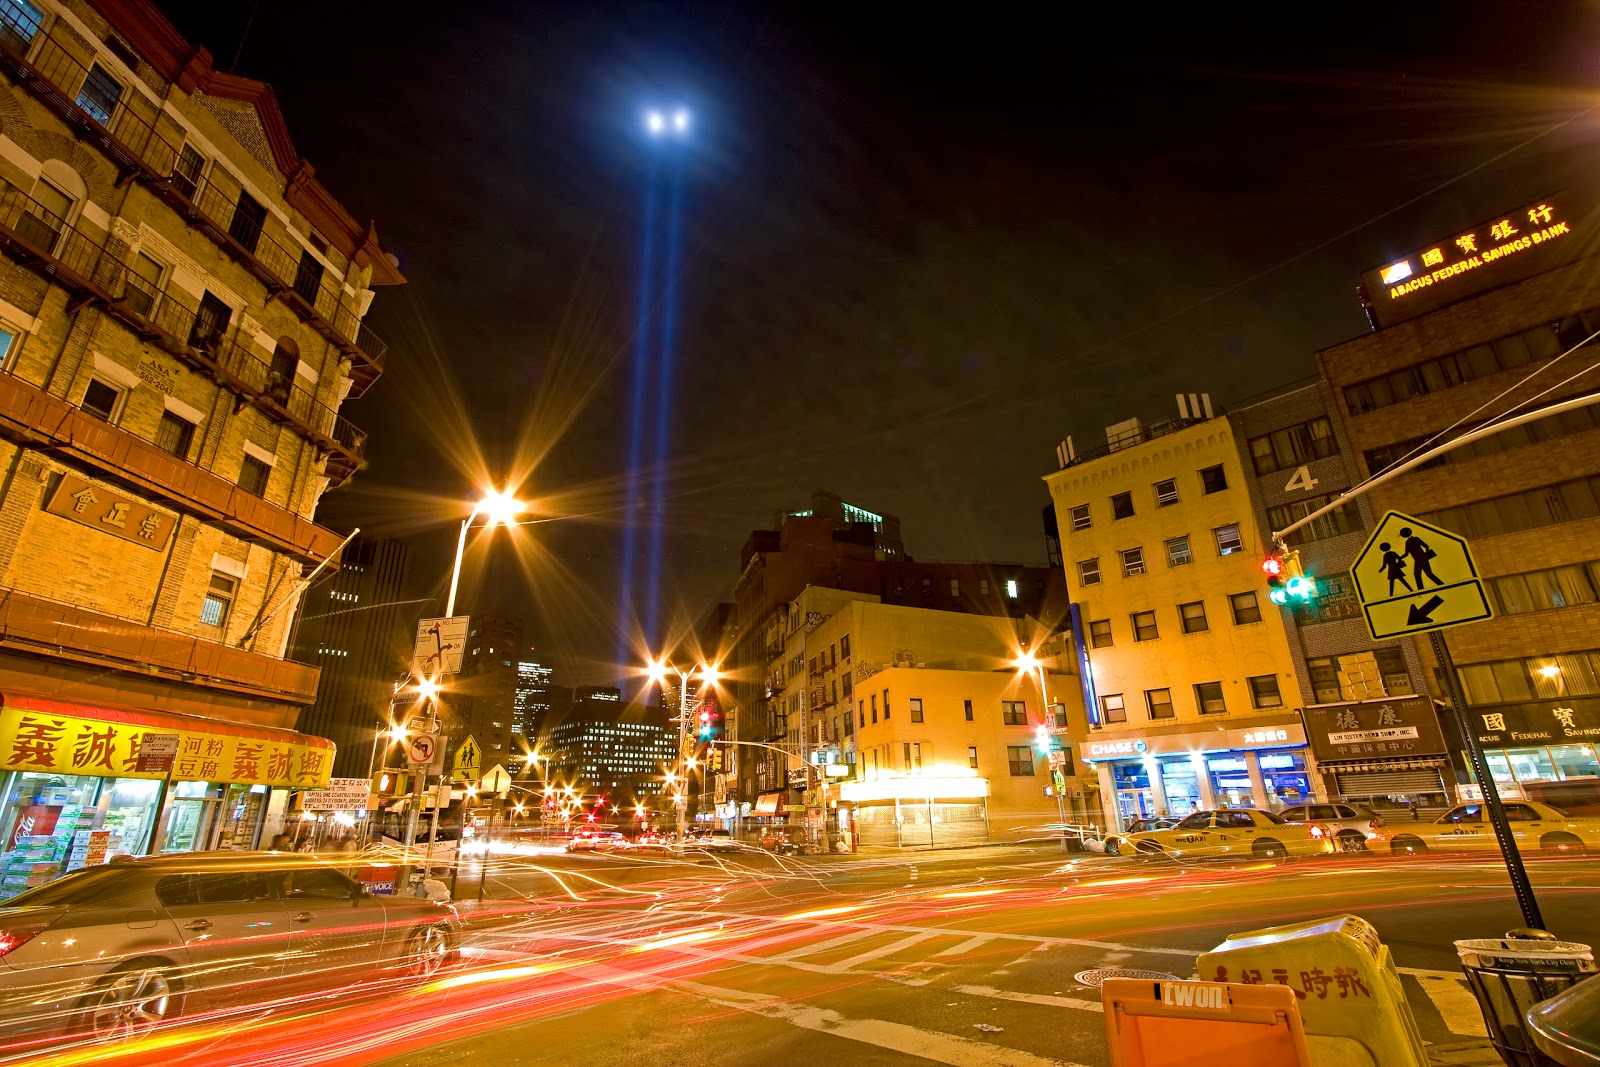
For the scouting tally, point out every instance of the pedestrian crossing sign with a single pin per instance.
(1412, 577)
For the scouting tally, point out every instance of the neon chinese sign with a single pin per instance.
(1496, 252)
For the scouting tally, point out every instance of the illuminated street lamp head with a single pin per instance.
(660, 123)
(1026, 661)
(657, 670)
(1549, 670)
(500, 508)
(710, 673)
(427, 689)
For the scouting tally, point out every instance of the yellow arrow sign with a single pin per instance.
(1412, 577)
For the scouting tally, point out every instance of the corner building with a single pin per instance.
(1189, 684)
(180, 323)
(1443, 358)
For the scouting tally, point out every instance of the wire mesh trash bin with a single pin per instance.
(1509, 975)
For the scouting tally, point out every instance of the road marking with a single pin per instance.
(971, 944)
(1030, 998)
(1451, 999)
(885, 950)
(821, 946)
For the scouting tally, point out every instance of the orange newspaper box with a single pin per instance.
(1202, 1024)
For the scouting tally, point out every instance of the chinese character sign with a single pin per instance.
(66, 744)
(101, 509)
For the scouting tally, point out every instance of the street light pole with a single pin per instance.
(500, 508)
(1030, 663)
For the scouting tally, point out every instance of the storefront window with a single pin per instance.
(1531, 764)
(1134, 797)
(53, 823)
(1230, 781)
(1182, 786)
(1500, 770)
(131, 814)
(1284, 772)
(192, 816)
(1575, 761)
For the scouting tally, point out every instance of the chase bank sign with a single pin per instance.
(1114, 749)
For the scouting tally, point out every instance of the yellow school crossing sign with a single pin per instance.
(1412, 577)
(468, 758)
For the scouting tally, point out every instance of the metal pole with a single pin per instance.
(455, 572)
(1056, 780)
(488, 841)
(681, 804)
(1491, 792)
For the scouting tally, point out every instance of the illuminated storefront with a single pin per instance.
(1387, 754)
(1174, 773)
(920, 811)
(79, 785)
(1545, 751)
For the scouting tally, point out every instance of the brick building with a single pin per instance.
(1466, 328)
(180, 313)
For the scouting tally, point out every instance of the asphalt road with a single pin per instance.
(969, 958)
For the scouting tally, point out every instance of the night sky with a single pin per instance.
(921, 248)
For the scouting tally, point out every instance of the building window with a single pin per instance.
(915, 704)
(142, 285)
(1122, 506)
(972, 757)
(874, 707)
(253, 475)
(99, 95)
(1100, 633)
(1264, 691)
(1013, 713)
(248, 217)
(103, 400)
(218, 604)
(1228, 541)
(1504, 353)
(983, 587)
(1011, 588)
(1193, 617)
(1112, 709)
(1341, 520)
(1089, 571)
(1392, 668)
(1246, 608)
(966, 709)
(9, 336)
(1558, 587)
(174, 434)
(1294, 446)
(308, 278)
(186, 172)
(210, 323)
(1159, 701)
(1178, 551)
(1144, 626)
(1020, 757)
(19, 22)
(1208, 696)
(886, 705)
(955, 587)
(1213, 479)
(1080, 517)
(43, 216)
(1132, 561)
(844, 646)
(1166, 493)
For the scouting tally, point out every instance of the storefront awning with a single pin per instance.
(772, 804)
(38, 734)
(1349, 766)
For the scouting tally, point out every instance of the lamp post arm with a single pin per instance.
(455, 572)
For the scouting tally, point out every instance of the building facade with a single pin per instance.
(532, 710)
(482, 699)
(1190, 688)
(353, 629)
(181, 307)
(1452, 347)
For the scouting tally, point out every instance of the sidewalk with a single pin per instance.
(1475, 1053)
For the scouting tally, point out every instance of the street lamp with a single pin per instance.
(1028, 663)
(659, 671)
(499, 508)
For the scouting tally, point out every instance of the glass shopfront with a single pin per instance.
(54, 823)
(1230, 780)
(1567, 776)
(1286, 776)
(1181, 782)
(1135, 800)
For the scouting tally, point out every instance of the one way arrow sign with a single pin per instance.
(1412, 577)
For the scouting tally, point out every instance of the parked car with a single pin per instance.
(1114, 841)
(1466, 827)
(596, 841)
(712, 841)
(777, 839)
(1233, 832)
(1350, 826)
(115, 950)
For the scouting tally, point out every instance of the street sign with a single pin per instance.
(1058, 758)
(420, 749)
(342, 794)
(1412, 577)
(497, 781)
(156, 753)
(442, 795)
(467, 760)
(440, 643)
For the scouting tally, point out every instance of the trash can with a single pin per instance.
(1509, 975)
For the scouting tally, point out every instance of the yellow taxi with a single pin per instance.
(1467, 827)
(1228, 832)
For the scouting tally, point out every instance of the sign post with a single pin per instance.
(1413, 578)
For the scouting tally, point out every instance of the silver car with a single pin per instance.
(1350, 826)
(117, 949)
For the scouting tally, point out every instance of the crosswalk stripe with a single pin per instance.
(886, 950)
(1030, 998)
(971, 944)
(820, 946)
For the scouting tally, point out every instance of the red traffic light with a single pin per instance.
(1272, 566)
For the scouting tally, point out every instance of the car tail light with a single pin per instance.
(1374, 823)
(1317, 832)
(13, 935)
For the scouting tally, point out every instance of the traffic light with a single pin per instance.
(1287, 580)
(705, 723)
(391, 783)
(1041, 739)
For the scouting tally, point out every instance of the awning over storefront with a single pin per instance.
(772, 804)
(38, 734)
(1338, 766)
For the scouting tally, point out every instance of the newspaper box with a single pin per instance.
(1201, 1024)
(1351, 1001)
(377, 879)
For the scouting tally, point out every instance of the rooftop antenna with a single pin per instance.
(233, 67)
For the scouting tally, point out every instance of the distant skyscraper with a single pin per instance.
(353, 628)
(609, 747)
(532, 700)
(482, 699)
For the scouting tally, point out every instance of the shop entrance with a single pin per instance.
(1135, 798)
(194, 817)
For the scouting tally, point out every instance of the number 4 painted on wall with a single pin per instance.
(1302, 480)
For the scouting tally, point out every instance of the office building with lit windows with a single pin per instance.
(612, 748)
(532, 703)
(181, 306)
(1499, 316)
(1188, 680)
(482, 699)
